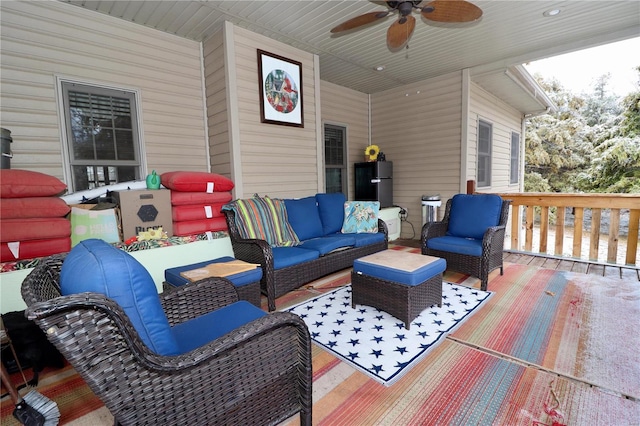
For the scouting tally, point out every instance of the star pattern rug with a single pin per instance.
(375, 342)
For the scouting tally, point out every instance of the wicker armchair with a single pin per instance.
(479, 253)
(259, 373)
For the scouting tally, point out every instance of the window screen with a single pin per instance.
(514, 175)
(335, 158)
(485, 136)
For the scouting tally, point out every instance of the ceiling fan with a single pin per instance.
(400, 31)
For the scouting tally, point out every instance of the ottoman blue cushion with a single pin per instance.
(96, 266)
(172, 275)
(203, 329)
(411, 278)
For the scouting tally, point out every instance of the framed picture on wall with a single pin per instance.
(280, 90)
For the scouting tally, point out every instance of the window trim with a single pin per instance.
(62, 120)
(514, 180)
(345, 151)
(488, 155)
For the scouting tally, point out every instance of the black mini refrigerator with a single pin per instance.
(374, 182)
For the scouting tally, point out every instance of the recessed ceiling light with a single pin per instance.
(379, 68)
(551, 12)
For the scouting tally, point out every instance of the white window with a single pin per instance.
(514, 174)
(335, 158)
(102, 135)
(485, 140)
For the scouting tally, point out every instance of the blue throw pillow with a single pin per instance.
(331, 208)
(304, 217)
(360, 217)
(96, 266)
(471, 215)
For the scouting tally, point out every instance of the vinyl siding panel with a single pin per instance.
(45, 40)
(505, 119)
(350, 109)
(279, 161)
(418, 128)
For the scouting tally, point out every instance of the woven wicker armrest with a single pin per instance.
(382, 227)
(493, 238)
(432, 230)
(197, 298)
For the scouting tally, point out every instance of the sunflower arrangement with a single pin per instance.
(371, 152)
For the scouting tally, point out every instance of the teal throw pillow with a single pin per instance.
(360, 217)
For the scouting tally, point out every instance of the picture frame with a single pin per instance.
(280, 87)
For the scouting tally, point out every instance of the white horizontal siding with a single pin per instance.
(504, 119)
(418, 128)
(45, 40)
(350, 109)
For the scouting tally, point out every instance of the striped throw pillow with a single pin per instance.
(264, 219)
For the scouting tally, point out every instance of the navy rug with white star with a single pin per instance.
(377, 343)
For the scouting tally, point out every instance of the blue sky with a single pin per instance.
(578, 71)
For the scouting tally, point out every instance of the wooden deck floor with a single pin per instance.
(628, 273)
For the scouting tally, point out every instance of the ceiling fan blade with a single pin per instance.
(358, 21)
(400, 31)
(451, 11)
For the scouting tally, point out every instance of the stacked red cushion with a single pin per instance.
(33, 219)
(196, 201)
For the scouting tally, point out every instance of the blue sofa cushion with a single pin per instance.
(289, 256)
(367, 238)
(199, 331)
(172, 275)
(398, 275)
(331, 209)
(471, 215)
(468, 246)
(360, 216)
(96, 266)
(304, 217)
(329, 243)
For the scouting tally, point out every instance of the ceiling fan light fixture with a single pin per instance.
(379, 68)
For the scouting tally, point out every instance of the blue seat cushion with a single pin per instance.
(172, 275)
(96, 266)
(329, 243)
(468, 246)
(199, 331)
(289, 256)
(366, 239)
(331, 209)
(471, 215)
(410, 278)
(304, 217)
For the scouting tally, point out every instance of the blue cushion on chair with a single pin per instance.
(289, 256)
(329, 243)
(304, 217)
(331, 209)
(471, 215)
(205, 328)
(366, 238)
(96, 266)
(468, 246)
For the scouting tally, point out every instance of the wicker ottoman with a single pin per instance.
(247, 283)
(400, 283)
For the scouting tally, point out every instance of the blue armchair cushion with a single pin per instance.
(329, 243)
(331, 209)
(468, 246)
(96, 266)
(203, 329)
(304, 217)
(360, 216)
(289, 256)
(471, 215)
(367, 238)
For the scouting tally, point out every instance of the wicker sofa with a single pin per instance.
(323, 248)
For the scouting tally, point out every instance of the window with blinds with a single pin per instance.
(335, 162)
(102, 135)
(485, 136)
(514, 175)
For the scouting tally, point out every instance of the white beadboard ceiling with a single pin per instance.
(509, 33)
